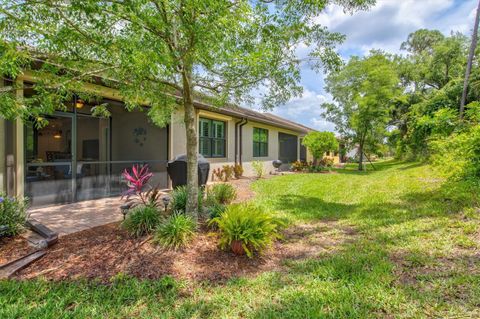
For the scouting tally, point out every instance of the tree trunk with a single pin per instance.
(191, 134)
(360, 158)
(470, 62)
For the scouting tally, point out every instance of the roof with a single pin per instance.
(249, 114)
(233, 110)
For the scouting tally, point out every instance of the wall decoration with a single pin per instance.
(140, 135)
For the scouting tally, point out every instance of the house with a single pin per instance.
(78, 157)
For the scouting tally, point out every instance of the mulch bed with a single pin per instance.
(103, 252)
(13, 248)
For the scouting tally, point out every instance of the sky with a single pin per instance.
(385, 26)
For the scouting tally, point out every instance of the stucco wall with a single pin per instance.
(178, 141)
(273, 147)
(126, 146)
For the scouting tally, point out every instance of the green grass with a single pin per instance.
(415, 254)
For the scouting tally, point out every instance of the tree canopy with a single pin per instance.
(363, 93)
(164, 54)
(318, 143)
(410, 102)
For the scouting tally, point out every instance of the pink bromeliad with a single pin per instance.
(136, 182)
(137, 179)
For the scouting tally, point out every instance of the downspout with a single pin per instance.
(236, 140)
(241, 146)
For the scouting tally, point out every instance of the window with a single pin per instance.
(212, 141)
(260, 142)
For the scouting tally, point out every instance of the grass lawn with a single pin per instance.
(413, 253)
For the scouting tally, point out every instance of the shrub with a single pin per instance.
(141, 220)
(298, 166)
(258, 168)
(179, 199)
(176, 231)
(249, 224)
(238, 171)
(224, 174)
(228, 172)
(217, 174)
(12, 214)
(221, 193)
(215, 210)
(458, 155)
(314, 168)
(326, 162)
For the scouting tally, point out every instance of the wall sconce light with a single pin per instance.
(79, 104)
(57, 135)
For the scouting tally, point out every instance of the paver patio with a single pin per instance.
(71, 218)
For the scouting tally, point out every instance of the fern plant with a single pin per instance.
(249, 225)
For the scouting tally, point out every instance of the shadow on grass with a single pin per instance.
(363, 278)
(369, 278)
(347, 284)
(306, 207)
(450, 198)
(352, 168)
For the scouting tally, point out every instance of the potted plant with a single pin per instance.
(246, 228)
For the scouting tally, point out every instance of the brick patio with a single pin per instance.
(71, 218)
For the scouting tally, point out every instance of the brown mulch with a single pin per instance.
(103, 252)
(244, 191)
(13, 248)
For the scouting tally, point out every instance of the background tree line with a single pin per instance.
(409, 104)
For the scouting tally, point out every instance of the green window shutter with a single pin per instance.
(212, 141)
(204, 128)
(219, 129)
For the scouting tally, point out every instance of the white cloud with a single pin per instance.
(384, 27)
(306, 110)
(388, 24)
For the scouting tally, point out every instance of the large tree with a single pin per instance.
(164, 53)
(471, 55)
(363, 93)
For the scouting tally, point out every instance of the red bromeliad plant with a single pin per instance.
(136, 181)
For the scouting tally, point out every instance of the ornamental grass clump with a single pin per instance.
(221, 193)
(247, 228)
(12, 215)
(179, 199)
(142, 220)
(176, 231)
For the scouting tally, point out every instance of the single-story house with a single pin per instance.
(78, 157)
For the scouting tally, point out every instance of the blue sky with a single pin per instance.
(385, 27)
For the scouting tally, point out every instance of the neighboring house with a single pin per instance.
(79, 157)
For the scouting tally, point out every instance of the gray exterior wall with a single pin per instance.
(178, 141)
